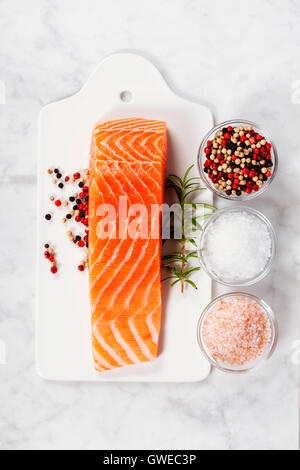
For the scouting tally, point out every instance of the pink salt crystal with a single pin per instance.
(236, 331)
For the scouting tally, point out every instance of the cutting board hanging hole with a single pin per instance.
(126, 96)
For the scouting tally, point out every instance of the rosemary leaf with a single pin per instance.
(179, 263)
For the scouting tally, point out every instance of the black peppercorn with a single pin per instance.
(58, 175)
(48, 216)
(228, 192)
(78, 201)
(78, 238)
(80, 184)
(72, 198)
(68, 216)
(60, 185)
(81, 214)
(75, 208)
(56, 170)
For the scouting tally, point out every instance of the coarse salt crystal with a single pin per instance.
(237, 246)
(236, 331)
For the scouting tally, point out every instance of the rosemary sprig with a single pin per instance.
(179, 263)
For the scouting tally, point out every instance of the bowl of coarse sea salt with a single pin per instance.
(237, 246)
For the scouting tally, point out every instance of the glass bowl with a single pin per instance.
(268, 350)
(201, 250)
(202, 157)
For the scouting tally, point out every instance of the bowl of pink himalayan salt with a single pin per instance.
(237, 332)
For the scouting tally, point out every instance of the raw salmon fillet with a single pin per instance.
(128, 160)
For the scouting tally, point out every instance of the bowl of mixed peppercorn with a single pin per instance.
(237, 160)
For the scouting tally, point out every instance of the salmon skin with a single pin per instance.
(127, 163)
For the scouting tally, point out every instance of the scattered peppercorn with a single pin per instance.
(49, 254)
(80, 210)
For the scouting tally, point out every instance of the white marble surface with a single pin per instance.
(240, 58)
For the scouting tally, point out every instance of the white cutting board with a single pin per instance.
(63, 311)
